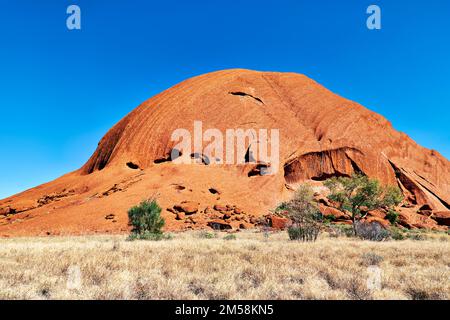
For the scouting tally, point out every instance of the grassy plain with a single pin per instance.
(193, 265)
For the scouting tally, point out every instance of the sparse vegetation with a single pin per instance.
(417, 236)
(371, 259)
(396, 234)
(372, 231)
(304, 214)
(359, 192)
(146, 221)
(248, 268)
(281, 207)
(329, 218)
(229, 237)
(304, 232)
(392, 216)
(338, 230)
(207, 235)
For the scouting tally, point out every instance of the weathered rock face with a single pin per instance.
(321, 135)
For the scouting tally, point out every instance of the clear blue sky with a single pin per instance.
(61, 90)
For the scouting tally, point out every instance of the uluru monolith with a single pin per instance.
(321, 135)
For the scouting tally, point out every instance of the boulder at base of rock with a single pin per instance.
(244, 225)
(404, 220)
(220, 208)
(384, 223)
(278, 223)
(330, 211)
(409, 218)
(226, 216)
(188, 207)
(377, 213)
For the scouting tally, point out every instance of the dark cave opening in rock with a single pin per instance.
(132, 165)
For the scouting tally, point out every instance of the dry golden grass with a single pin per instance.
(250, 267)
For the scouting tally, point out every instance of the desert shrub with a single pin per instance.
(338, 230)
(392, 216)
(329, 218)
(266, 233)
(146, 235)
(304, 214)
(391, 196)
(146, 221)
(207, 235)
(303, 232)
(372, 231)
(416, 236)
(295, 233)
(371, 259)
(419, 294)
(357, 289)
(302, 206)
(264, 226)
(281, 207)
(397, 234)
(229, 237)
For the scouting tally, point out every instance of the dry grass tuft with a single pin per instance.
(251, 267)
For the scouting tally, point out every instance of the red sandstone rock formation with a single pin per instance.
(321, 135)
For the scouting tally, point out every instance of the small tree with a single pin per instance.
(358, 192)
(304, 214)
(146, 220)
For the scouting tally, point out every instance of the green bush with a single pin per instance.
(359, 194)
(281, 207)
(146, 221)
(329, 218)
(229, 237)
(295, 233)
(392, 216)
